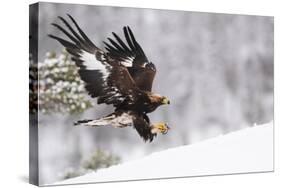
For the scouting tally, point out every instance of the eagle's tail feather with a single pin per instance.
(116, 119)
(96, 122)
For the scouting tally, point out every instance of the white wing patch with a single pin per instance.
(128, 62)
(91, 63)
(144, 65)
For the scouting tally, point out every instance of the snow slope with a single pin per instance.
(247, 150)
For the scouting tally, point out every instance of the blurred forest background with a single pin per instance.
(216, 69)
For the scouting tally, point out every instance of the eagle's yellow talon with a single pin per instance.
(160, 127)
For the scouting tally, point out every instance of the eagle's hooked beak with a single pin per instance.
(165, 100)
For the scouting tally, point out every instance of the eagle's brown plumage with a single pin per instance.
(142, 71)
(121, 76)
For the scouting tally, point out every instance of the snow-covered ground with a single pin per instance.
(247, 150)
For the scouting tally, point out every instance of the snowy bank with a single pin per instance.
(247, 150)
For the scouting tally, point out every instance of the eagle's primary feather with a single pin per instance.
(133, 57)
(121, 76)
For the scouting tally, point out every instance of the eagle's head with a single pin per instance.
(158, 99)
(159, 128)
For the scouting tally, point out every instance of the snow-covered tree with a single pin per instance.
(98, 160)
(60, 87)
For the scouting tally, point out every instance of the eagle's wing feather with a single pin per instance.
(132, 56)
(110, 82)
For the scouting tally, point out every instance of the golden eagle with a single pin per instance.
(121, 75)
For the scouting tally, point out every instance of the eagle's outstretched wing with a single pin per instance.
(133, 57)
(105, 79)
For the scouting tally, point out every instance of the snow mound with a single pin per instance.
(247, 150)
